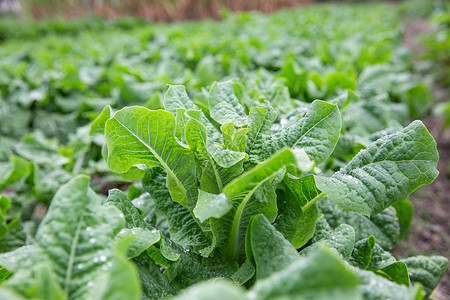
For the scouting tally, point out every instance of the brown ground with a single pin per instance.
(430, 234)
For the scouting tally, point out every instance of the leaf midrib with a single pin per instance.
(73, 249)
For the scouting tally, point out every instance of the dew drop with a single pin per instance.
(333, 237)
(103, 258)
(92, 241)
(90, 284)
(88, 228)
(80, 266)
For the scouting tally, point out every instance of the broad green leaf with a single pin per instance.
(321, 275)
(229, 231)
(427, 271)
(342, 239)
(35, 147)
(374, 287)
(176, 98)
(38, 282)
(211, 206)
(121, 282)
(76, 238)
(384, 226)
(386, 172)
(267, 248)
(317, 133)
(13, 171)
(244, 273)
(224, 105)
(214, 178)
(215, 154)
(98, 125)
(183, 228)
(362, 253)
(213, 289)
(260, 120)
(137, 135)
(368, 255)
(295, 220)
(154, 283)
(137, 240)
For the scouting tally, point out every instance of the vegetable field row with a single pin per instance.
(256, 157)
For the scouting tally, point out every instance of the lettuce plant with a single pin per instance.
(236, 193)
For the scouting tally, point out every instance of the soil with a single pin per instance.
(430, 232)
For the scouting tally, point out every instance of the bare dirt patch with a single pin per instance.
(430, 233)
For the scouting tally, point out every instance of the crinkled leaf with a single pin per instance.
(384, 226)
(224, 105)
(427, 271)
(267, 248)
(317, 132)
(322, 275)
(386, 172)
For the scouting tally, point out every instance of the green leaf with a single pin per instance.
(260, 121)
(76, 238)
(322, 275)
(362, 253)
(267, 248)
(137, 240)
(369, 255)
(154, 283)
(317, 133)
(296, 221)
(405, 214)
(375, 287)
(427, 271)
(13, 171)
(176, 98)
(137, 135)
(386, 172)
(244, 273)
(224, 105)
(98, 125)
(211, 206)
(213, 289)
(4, 206)
(35, 147)
(38, 282)
(384, 226)
(342, 239)
(183, 228)
(229, 231)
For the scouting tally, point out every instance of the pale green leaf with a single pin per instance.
(137, 135)
(211, 206)
(224, 105)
